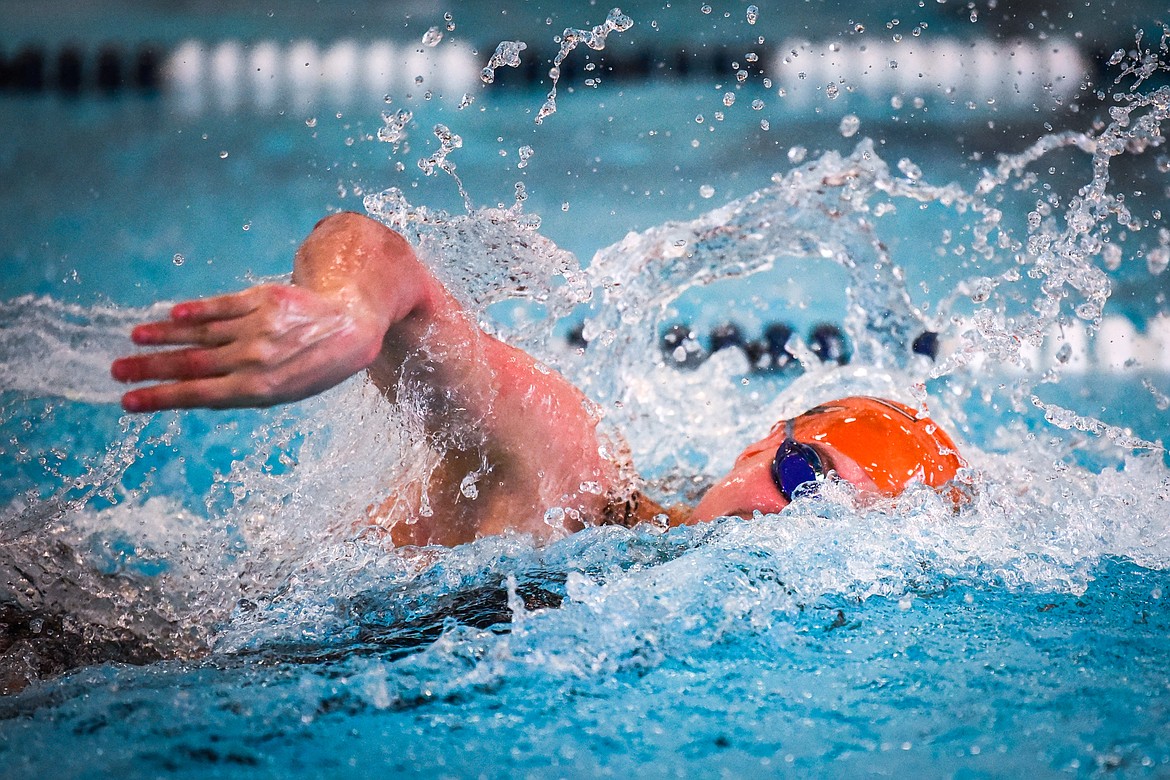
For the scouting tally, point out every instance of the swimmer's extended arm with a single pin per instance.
(360, 299)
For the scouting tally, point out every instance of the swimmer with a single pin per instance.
(360, 300)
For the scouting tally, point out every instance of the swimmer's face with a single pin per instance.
(876, 445)
(749, 486)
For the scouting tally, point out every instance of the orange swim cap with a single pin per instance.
(887, 439)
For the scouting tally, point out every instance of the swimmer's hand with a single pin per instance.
(275, 343)
(266, 345)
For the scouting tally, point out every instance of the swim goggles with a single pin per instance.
(795, 465)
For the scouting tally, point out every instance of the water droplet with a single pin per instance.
(753, 14)
(311, 122)
(247, 226)
(432, 37)
(223, 155)
(178, 259)
(525, 153)
(831, 90)
(507, 53)
(728, 98)
(565, 206)
(706, 191)
(764, 125)
(797, 154)
(757, 104)
(705, 8)
(849, 125)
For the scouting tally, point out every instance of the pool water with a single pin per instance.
(187, 594)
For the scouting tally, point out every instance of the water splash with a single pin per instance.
(507, 54)
(393, 129)
(53, 349)
(448, 142)
(572, 37)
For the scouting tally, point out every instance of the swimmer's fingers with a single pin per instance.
(192, 363)
(221, 392)
(209, 334)
(209, 321)
(222, 307)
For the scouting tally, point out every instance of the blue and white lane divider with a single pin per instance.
(969, 74)
(1117, 347)
(229, 75)
(930, 72)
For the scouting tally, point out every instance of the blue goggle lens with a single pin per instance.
(795, 465)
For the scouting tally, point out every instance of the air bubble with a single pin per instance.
(706, 191)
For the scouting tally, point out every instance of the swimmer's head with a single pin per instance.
(879, 446)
